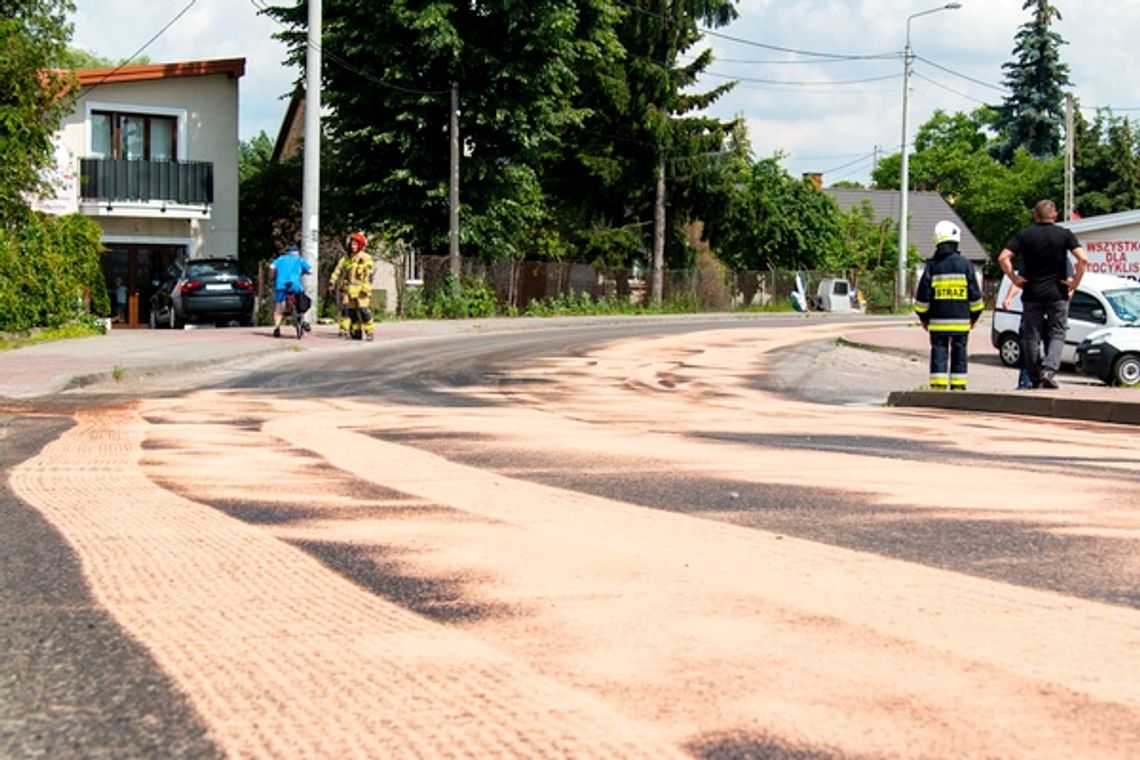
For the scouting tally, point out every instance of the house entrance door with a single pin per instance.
(131, 272)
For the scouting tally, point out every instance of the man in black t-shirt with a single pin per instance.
(1046, 288)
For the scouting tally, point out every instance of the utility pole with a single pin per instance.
(1069, 156)
(657, 284)
(453, 194)
(311, 167)
(904, 184)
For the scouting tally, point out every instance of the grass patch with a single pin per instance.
(9, 341)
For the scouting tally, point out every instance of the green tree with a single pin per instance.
(1031, 115)
(953, 157)
(34, 95)
(777, 221)
(869, 244)
(77, 58)
(254, 155)
(269, 199)
(1120, 150)
(388, 73)
(641, 120)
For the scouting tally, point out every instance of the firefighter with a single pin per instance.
(337, 288)
(948, 303)
(357, 288)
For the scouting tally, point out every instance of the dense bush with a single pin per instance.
(442, 300)
(51, 272)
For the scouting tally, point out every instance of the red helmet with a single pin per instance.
(359, 239)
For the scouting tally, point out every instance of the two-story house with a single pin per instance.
(150, 152)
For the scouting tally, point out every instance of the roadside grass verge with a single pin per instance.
(9, 341)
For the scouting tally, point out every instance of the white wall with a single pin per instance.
(1114, 250)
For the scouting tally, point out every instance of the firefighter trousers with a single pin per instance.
(948, 361)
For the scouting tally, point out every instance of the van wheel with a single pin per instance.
(1127, 370)
(1009, 349)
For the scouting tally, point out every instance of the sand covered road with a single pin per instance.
(357, 578)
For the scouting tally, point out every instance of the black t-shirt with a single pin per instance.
(1044, 250)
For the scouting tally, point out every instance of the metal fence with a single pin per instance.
(707, 288)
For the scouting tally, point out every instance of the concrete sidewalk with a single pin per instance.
(49, 368)
(1079, 397)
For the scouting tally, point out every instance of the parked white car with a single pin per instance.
(1112, 355)
(1101, 300)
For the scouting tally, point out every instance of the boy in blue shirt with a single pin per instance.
(288, 269)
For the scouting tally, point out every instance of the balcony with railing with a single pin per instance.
(111, 186)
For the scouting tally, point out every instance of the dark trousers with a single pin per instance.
(948, 360)
(1048, 321)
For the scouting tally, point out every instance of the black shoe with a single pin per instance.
(1048, 381)
(276, 332)
(307, 326)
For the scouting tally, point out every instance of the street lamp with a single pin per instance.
(904, 186)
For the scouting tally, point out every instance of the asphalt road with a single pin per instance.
(706, 540)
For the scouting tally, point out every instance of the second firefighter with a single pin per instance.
(352, 279)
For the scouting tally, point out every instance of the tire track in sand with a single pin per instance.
(281, 657)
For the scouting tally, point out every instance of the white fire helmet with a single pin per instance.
(945, 230)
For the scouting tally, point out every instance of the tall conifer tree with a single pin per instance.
(1032, 114)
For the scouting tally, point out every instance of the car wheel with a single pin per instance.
(1127, 370)
(1009, 349)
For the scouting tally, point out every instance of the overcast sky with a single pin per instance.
(801, 105)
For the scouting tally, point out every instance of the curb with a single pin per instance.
(1025, 403)
(876, 348)
(145, 370)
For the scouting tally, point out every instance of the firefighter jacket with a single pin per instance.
(358, 280)
(948, 299)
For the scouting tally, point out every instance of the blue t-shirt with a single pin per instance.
(289, 267)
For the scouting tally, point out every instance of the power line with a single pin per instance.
(861, 166)
(752, 43)
(831, 157)
(352, 68)
(138, 52)
(948, 89)
(961, 76)
(801, 83)
(863, 158)
(819, 62)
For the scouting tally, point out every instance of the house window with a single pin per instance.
(133, 136)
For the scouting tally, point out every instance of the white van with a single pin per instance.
(1101, 300)
(834, 294)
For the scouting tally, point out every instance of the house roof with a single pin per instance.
(292, 129)
(1103, 222)
(924, 208)
(233, 67)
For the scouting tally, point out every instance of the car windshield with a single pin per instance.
(200, 269)
(1125, 302)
